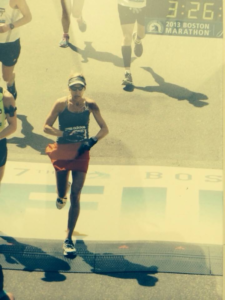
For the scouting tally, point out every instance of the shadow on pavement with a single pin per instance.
(34, 140)
(35, 260)
(90, 52)
(99, 265)
(129, 88)
(173, 90)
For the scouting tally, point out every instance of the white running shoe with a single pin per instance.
(127, 79)
(68, 247)
(64, 43)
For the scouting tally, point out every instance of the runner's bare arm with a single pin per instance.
(48, 127)
(9, 104)
(26, 15)
(100, 121)
(25, 11)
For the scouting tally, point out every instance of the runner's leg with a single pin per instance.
(2, 169)
(77, 185)
(127, 21)
(140, 31)
(126, 52)
(77, 8)
(66, 11)
(62, 183)
(9, 77)
(3, 157)
(8, 74)
(77, 13)
(137, 37)
(10, 54)
(127, 30)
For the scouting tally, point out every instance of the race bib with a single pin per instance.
(79, 133)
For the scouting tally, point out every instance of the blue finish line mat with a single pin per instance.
(106, 257)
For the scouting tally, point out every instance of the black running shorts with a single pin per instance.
(3, 152)
(128, 17)
(9, 53)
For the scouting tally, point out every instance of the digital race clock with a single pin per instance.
(201, 18)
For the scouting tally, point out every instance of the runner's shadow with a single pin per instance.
(173, 90)
(34, 140)
(33, 258)
(113, 262)
(129, 88)
(90, 52)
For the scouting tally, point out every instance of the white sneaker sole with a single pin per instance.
(63, 44)
(127, 82)
(69, 253)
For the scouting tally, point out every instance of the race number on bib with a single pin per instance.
(79, 133)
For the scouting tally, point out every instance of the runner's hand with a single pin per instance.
(4, 28)
(86, 146)
(135, 10)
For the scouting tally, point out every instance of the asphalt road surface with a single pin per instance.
(113, 286)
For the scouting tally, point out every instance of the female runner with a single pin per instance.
(71, 151)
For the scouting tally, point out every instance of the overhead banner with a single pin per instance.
(200, 18)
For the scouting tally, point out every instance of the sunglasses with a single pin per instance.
(76, 88)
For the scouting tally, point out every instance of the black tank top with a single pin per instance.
(77, 121)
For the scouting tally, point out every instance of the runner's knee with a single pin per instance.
(127, 39)
(75, 193)
(7, 77)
